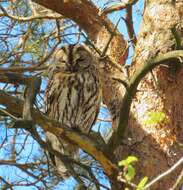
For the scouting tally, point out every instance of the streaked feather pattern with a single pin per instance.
(73, 96)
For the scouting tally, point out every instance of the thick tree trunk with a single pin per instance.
(157, 145)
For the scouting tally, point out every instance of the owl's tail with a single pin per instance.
(65, 148)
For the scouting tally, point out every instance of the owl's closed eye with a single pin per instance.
(72, 58)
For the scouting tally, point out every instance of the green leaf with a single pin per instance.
(129, 160)
(142, 183)
(154, 118)
(122, 163)
(130, 173)
(126, 188)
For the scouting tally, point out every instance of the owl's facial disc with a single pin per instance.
(73, 58)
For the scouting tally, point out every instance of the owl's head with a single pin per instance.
(73, 58)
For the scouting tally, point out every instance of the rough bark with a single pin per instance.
(158, 146)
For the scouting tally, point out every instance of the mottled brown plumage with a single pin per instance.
(73, 96)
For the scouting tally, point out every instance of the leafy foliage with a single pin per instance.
(128, 161)
(129, 171)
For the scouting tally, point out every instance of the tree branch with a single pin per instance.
(15, 106)
(132, 88)
(89, 20)
(32, 88)
(14, 78)
(129, 24)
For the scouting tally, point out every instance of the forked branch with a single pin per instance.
(132, 88)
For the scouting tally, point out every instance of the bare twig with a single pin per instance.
(129, 25)
(127, 182)
(32, 68)
(32, 7)
(104, 120)
(7, 184)
(8, 114)
(23, 69)
(30, 95)
(164, 174)
(27, 19)
(118, 7)
(178, 182)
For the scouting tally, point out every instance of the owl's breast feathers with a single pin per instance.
(74, 98)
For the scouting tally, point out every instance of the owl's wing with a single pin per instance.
(95, 118)
(52, 140)
(49, 97)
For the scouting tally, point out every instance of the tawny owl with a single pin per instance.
(73, 96)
